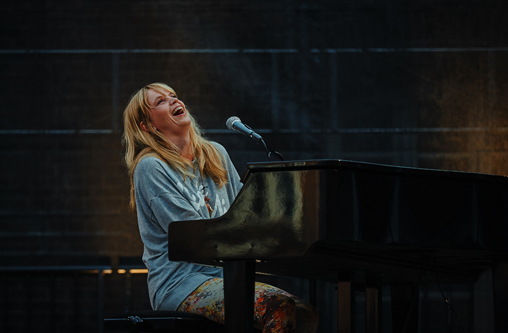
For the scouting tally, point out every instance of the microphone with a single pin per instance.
(235, 124)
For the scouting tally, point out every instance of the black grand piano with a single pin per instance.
(328, 219)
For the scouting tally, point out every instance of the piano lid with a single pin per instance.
(370, 167)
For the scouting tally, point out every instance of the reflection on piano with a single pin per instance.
(326, 219)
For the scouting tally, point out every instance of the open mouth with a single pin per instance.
(178, 111)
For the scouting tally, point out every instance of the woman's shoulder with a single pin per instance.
(148, 165)
(149, 162)
(220, 148)
(217, 145)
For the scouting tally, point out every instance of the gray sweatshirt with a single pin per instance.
(162, 196)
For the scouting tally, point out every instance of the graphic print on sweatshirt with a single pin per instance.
(197, 199)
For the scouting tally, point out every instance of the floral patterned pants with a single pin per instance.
(274, 309)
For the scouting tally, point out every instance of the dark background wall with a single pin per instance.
(417, 84)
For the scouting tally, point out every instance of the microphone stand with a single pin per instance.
(270, 151)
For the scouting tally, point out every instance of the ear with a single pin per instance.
(144, 127)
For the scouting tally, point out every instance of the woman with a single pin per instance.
(176, 175)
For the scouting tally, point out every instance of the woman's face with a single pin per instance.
(168, 114)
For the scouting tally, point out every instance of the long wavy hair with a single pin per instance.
(139, 144)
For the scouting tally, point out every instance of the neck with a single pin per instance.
(183, 143)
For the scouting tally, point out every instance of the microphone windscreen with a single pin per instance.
(230, 121)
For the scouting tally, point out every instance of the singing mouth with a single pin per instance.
(178, 111)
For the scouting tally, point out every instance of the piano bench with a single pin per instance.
(161, 321)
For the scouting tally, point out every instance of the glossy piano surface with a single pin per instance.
(312, 219)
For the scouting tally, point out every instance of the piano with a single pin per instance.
(329, 219)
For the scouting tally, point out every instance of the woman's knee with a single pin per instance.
(290, 312)
(275, 312)
(307, 318)
(270, 303)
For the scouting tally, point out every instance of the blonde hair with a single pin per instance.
(139, 144)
